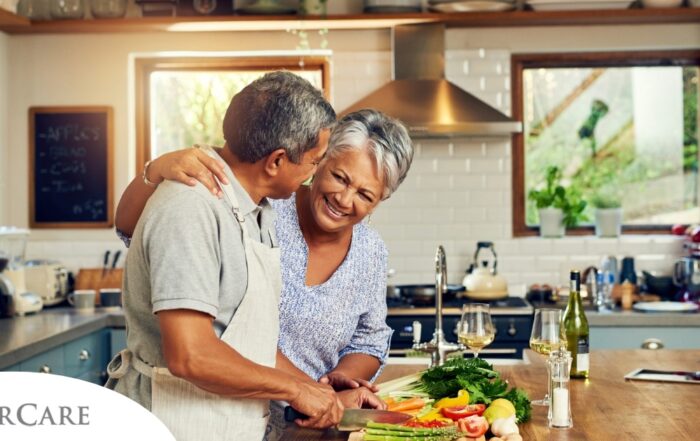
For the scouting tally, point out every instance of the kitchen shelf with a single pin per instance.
(13, 24)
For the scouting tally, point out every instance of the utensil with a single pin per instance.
(105, 262)
(476, 330)
(116, 258)
(355, 419)
(695, 376)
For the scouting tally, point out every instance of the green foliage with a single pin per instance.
(555, 195)
(605, 201)
(479, 378)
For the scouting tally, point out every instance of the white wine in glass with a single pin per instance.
(545, 339)
(476, 330)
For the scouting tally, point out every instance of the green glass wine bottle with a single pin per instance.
(574, 328)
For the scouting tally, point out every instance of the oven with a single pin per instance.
(511, 316)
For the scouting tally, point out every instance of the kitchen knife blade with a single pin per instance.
(695, 376)
(355, 419)
(116, 258)
(105, 263)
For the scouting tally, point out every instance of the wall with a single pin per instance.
(456, 193)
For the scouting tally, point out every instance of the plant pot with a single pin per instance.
(608, 222)
(551, 222)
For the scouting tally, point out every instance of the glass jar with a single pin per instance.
(67, 9)
(34, 9)
(108, 8)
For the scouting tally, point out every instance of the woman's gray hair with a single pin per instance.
(384, 137)
(278, 110)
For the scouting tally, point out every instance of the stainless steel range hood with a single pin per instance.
(423, 99)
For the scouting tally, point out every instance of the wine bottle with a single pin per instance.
(574, 328)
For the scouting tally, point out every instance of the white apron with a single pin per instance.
(193, 414)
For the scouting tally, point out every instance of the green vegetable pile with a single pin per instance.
(479, 378)
(395, 432)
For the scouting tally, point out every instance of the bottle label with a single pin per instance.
(582, 354)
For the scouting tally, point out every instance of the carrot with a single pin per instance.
(406, 405)
(389, 401)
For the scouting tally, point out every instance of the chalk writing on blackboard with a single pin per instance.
(71, 165)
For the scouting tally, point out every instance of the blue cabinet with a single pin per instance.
(49, 362)
(85, 358)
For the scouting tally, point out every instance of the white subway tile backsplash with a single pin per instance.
(486, 198)
(469, 182)
(456, 199)
(423, 165)
(486, 166)
(569, 246)
(435, 149)
(635, 245)
(470, 215)
(435, 181)
(452, 166)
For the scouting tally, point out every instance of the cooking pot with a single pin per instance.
(482, 281)
(424, 295)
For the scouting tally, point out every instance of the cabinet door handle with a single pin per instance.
(84, 355)
(512, 330)
(652, 343)
(45, 369)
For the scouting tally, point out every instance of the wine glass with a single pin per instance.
(545, 338)
(476, 330)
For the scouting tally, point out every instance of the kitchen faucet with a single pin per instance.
(438, 347)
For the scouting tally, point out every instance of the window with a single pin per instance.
(621, 127)
(182, 101)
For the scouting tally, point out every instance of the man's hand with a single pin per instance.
(320, 403)
(361, 398)
(339, 381)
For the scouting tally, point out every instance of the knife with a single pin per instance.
(105, 262)
(695, 376)
(355, 419)
(116, 258)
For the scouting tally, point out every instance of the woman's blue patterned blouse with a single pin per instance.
(344, 315)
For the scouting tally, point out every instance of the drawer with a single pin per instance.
(94, 376)
(86, 354)
(48, 362)
(13, 368)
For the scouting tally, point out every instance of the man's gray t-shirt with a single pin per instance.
(186, 253)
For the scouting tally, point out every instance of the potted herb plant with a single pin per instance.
(558, 207)
(608, 214)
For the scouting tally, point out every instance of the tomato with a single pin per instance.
(679, 229)
(473, 426)
(695, 236)
(459, 412)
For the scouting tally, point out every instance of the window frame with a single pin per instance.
(520, 62)
(144, 67)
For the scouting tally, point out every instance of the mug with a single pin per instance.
(82, 299)
(111, 298)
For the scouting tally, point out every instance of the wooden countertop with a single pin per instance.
(604, 407)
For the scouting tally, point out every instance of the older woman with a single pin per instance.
(333, 302)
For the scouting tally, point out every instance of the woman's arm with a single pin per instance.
(188, 166)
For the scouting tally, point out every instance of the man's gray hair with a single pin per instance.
(384, 137)
(278, 110)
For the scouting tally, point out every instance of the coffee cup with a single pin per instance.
(111, 298)
(83, 300)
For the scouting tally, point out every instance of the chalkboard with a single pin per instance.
(70, 167)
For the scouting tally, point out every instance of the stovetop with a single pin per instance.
(506, 306)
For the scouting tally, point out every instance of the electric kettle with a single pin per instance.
(482, 281)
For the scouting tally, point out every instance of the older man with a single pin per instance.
(202, 280)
